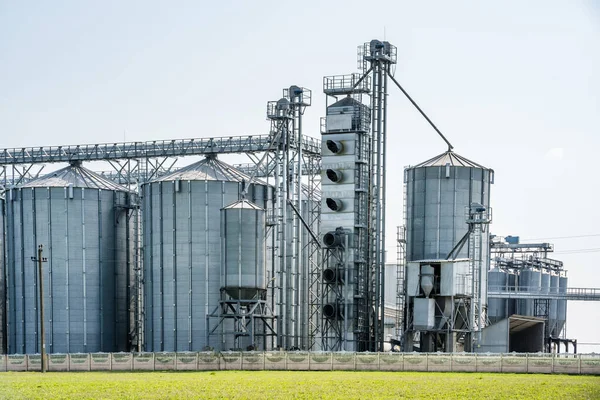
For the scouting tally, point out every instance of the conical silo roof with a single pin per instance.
(208, 169)
(76, 176)
(347, 102)
(243, 204)
(451, 158)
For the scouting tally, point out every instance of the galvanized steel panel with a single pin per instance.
(88, 243)
(561, 305)
(3, 337)
(436, 205)
(182, 255)
(497, 308)
(243, 231)
(529, 281)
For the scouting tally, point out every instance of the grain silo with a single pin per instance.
(437, 193)
(243, 275)
(497, 308)
(182, 250)
(530, 280)
(561, 304)
(2, 283)
(84, 223)
(553, 311)
(243, 228)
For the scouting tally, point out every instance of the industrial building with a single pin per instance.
(286, 252)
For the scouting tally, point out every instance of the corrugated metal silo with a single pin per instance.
(530, 280)
(2, 282)
(553, 314)
(497, 308)
(182, 250)
(243, 228)
(545, 283)
(438, 191)
(83, 222)
(562, 304)
(512, 286)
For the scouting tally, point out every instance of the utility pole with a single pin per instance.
(41, 260)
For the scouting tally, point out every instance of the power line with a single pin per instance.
(564, 237)
(576, 251)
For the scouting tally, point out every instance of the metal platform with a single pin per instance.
(156, 148)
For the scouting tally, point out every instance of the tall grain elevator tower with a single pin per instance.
(353, 203)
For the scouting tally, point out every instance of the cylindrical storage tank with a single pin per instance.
(497, 308)
(2, 282)
(437, 193)
(561, 305)
(243, 229)
(511, 304)
(530, 280)
(84, 224)
(182, 251)
(553, 314)
(545, 283)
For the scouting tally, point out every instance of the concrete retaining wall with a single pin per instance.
(305, 361)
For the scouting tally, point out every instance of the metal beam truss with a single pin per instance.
(297, 209)
(137, 161)
(377, 57)
(252, 319)
(134, 163)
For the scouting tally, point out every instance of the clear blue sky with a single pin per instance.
(513, 84)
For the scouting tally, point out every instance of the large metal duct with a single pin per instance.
(83, 222)
(182, 250)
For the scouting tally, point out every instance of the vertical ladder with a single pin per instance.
(400, 277)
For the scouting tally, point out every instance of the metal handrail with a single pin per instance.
(156, 148)
(525, 292)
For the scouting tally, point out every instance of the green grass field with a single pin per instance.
(286, 385)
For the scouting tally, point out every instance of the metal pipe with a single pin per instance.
(41, 260)
(298, 176)
(377, 222)
(383, 212)
(362, 77)
(450, 147)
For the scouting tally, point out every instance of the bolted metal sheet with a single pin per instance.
(2, 281)
(243, 230)
(436, 198)
(530, 280)
(561, 305)
(497, 308)
(87, 239)
(553, 312)
(182, 251)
